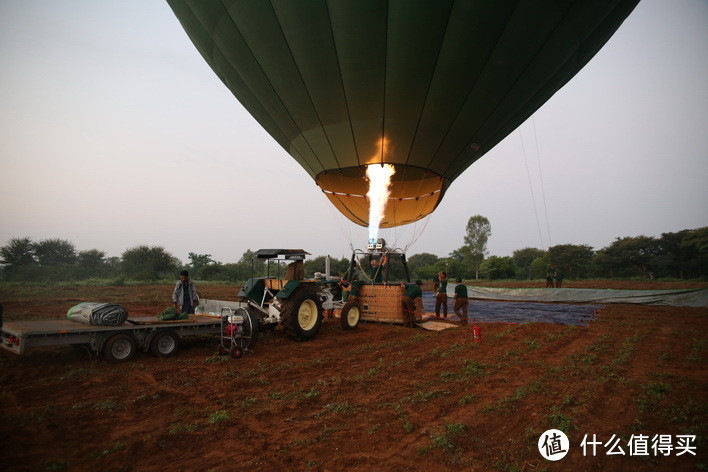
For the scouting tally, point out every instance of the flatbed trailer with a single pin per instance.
(115, 343)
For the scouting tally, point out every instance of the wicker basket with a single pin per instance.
(381, 302)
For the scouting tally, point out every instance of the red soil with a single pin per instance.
(381, 397)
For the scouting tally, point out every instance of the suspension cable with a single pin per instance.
(540, 173)
(533, 197)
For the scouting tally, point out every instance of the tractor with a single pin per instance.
(292, 301)
(298, 304)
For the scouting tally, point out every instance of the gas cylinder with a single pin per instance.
(477, 333)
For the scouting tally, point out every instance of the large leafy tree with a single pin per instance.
(685, 253)
(91, 263)
(523, 258)
(417, 261)
(18, 252)
(422, 266)
(476, 237)
(197, 262)
(55, 252)
(495, 267)
(319, 264)
(256, 266)
(696, 243)
(149, 263)
(461, 263)
(571, 260)
(639, 252)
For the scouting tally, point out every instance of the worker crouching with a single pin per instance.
(411, 292)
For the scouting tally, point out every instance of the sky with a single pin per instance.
(115, 133)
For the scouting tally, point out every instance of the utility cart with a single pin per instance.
(239, 332)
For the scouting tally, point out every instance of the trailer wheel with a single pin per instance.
(164, 344)
(119, 348)
(351, 315)
(302, 316)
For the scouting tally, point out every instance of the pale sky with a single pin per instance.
(114, 133)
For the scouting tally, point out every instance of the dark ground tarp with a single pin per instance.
(575, 306)
(520, 312)
(679, 297)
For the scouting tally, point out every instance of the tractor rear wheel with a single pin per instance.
(251, 328)
(302, 315)
(351, 315)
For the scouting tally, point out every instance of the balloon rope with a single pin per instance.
(540, 173)
(415, 238)
(533, 198)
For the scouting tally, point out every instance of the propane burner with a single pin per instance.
(376, 244)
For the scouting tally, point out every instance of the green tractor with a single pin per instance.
(296, 303)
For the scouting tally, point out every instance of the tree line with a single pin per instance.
(680, 255)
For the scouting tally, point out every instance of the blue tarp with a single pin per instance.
(520, 312)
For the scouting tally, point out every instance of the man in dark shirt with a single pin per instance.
(355, 288)
(461, 301)
(441, 294)
(411, 292)
(377, 269)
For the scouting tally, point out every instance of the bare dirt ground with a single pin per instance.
(380, 397)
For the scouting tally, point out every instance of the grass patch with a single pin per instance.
(116, 447)
(501, 334)
(469, 398)
(532, 344)
(446, 439)
(626, 351)
(422, 397)
(561, 333)
(505, 403)
(473, 368)
(219, 416)
(34, 417)
(74, 373)
(448, 376)
(250, 401)
(557, 420)
(654, 392)
(180, 428)
(697, 348)
(338, 408)
(312, 394)
(107, 405)
(56, 465)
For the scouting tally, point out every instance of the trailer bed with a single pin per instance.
(20, 335)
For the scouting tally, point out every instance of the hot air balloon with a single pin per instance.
(428, 86)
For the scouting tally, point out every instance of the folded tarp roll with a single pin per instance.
(99, 314)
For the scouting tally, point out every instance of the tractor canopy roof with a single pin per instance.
(289, 254)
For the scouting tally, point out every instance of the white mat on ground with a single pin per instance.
(436, 325)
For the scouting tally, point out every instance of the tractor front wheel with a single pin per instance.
(351, 315)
